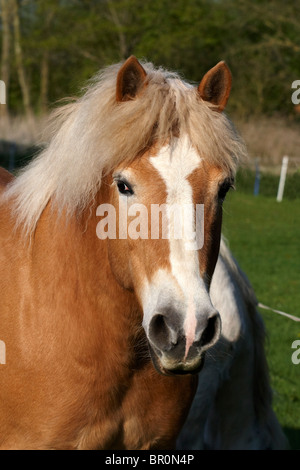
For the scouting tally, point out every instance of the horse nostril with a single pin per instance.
(162, 333)
(158, 330)
(211, 332)
(167, 336)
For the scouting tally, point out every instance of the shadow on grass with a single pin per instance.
(293, 436)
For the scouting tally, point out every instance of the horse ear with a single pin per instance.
(215, 86)
(130, 79)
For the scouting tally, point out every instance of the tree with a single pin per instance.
(60, 44)
(5, 55)
(20, 61)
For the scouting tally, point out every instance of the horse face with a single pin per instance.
(170, 271)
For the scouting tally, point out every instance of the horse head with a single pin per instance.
(169, 214)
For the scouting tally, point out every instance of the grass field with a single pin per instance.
(264, 236)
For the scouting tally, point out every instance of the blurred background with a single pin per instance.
(50, 48)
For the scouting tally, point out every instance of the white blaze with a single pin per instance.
(175, 163)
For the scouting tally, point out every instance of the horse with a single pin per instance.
(107, 335)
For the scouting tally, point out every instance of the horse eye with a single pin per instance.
(124, 188)
(224, 188)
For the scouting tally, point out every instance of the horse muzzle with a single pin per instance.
(171, 349)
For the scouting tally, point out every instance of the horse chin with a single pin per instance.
(177, 369)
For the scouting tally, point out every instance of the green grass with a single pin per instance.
(264, 236)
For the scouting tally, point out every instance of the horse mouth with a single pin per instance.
(178, 368)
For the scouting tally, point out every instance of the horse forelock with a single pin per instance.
(95, 133)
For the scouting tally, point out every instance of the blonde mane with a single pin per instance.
(95, 133)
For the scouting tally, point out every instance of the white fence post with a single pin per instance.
(284, 166)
